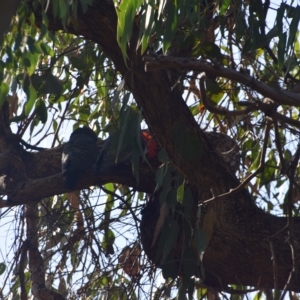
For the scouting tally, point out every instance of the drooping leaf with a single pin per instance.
(294, 27)
(2, 268)
(126, 11)
(163, 156)
(188, 202)
(200, 242)
(4, 88)
(224, 6)
(169, 268)
(41, 110)
(171, 25)
(180, 192)
(189, 263)
(168, 238)
(147, 24)
(31, 97)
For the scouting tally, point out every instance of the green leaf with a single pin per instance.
(269, 171)
(171, 229)
(31, 97)
(180, 192)
(2, 268)
(109, 187)
(200, 242)
(126, 13)
(171, 198)
(62, 10)
(169, 268)
(188, 202)
(30, 60)
(41, 110)
(108, 240)
(4, 89)
(168, 237)
(147, 24)
(124, 117)
(281, 49)
(159, 176)
(212, 87)
(47, 83)
(189, 262)
(258, 296)
(294, 27)
(166, 184)
(33, 45)
(212, 50)
(224, 4)
(279, 18)
(171, 25)
(54, 125)
(47, 49)
(55, 8)
(78, 63)
(136, 144)
(84, 5)
(163, 155)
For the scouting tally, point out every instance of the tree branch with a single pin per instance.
(165, 62)
(39, 289)
(33, 190)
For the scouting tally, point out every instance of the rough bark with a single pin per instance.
(239, 250)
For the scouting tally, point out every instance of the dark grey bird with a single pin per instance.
(79, 154)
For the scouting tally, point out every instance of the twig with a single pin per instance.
(284, 68)
(264, 106)
(32, 147)
(258, 170)
(275, 267)
(278, 143)
(136, 219)
(63, 116)
(285, 119)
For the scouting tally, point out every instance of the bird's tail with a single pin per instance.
(70, 180)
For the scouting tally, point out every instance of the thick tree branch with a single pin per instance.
(32, 190)
(165, 62)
